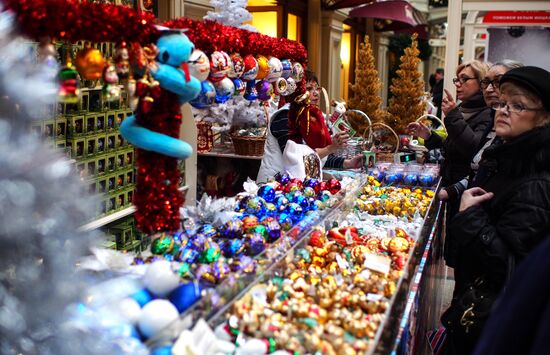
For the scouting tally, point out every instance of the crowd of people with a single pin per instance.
(496, 184)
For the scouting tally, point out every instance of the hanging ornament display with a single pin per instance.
(251, 93)
(279, 86)
(111, 89)
(219, 65)
(206, 97)
(263, 67)
(68, 83)
(240, 87)
(287, 68)
(224, 90)
(264, 89)
(90, 63)
(250, 68)
(236, 66)
(122, 60)
(199, 65)
(290, 87)
(297, 71)
(275, 69)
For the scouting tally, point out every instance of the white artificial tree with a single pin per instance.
(231, 13)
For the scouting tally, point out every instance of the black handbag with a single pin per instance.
(471, 307)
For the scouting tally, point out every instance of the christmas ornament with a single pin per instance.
(162, 245)
(90, 63)
(184, 296)
(199, 65)
(251, 93)
(205, 273)
(233, 247)
(188, 255)
(232, 228)
(155, 316)
(291, 86)
(128, 309)
(267, 192)
(220, 270)
(160, 279)
(250, 68)
(280, 86)
(224, 90)
(255, 243)
(111, 89)
(297, 71)
(287, 68)
(334, 186)
(275, 69)
(68, 84)
(240, 87)
(219, 66)
(236, 66)
(121, 59)
(264, 89)
(410, 179)
(249, 222)
(263, 67)
(206, 97)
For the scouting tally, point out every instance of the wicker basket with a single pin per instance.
(248, 145)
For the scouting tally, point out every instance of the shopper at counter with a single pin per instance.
(502, 219)
(311, 130)
(467, 123)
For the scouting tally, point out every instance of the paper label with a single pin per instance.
(373, 297)
(377, 263)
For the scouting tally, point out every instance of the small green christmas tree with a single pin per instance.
(406, 104)
(366, 90)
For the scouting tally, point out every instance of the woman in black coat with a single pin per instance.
(467, 124)
(502, 219)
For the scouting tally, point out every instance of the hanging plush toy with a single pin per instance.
(156, 132)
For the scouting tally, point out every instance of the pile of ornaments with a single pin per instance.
(225, 76)
(406, 174)
(330, 298)
(391, 200)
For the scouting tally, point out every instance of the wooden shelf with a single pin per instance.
(100, 222)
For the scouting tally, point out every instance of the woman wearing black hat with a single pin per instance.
(502, 219)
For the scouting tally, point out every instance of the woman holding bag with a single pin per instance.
(503, 218)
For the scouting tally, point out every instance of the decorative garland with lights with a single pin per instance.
(157, 198)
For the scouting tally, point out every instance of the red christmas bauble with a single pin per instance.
(334, 186)
(322, 186)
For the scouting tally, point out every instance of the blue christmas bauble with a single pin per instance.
(282, 178)
(324, 196)
(184, 296)
(165, 350)
(240, 87)
(410, 179)
(267, 192)
(378, 175)
(393, 178)
(251, 93)
(198, 242)
(302, 201)
(206, 97)
(285, 221)
(280, 202)
(143, 297)
(256, 206)
(224, 90)
(255, 243)
(207, 230)
(232, 229)
(188, 255)
(273, 230)
(287, 68)
(220, 269)
(426, 180)
(233, 247)
(244, 263)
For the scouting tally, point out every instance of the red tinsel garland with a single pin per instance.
(73, 21)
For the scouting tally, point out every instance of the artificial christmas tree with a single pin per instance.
(407, 103)
(231, 13)
(366, 90)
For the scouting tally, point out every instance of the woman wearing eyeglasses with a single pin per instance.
(502, 219)
(467, 123)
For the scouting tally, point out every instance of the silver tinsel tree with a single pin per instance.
(42, 204)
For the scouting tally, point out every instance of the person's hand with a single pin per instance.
(473, 197)
(448, 103)
(339, 139)
(355, 162)
(443, 195)
(419, 129)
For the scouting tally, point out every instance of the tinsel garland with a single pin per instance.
(157, 197)
(71, 20)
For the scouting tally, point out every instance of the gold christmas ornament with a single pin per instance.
(90, 63)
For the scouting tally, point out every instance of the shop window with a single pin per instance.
(294, 27)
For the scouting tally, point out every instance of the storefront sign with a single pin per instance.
(519, 17)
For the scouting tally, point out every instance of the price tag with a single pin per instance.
(373, 297)
(377, 263)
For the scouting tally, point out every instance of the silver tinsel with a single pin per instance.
(42, 204)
